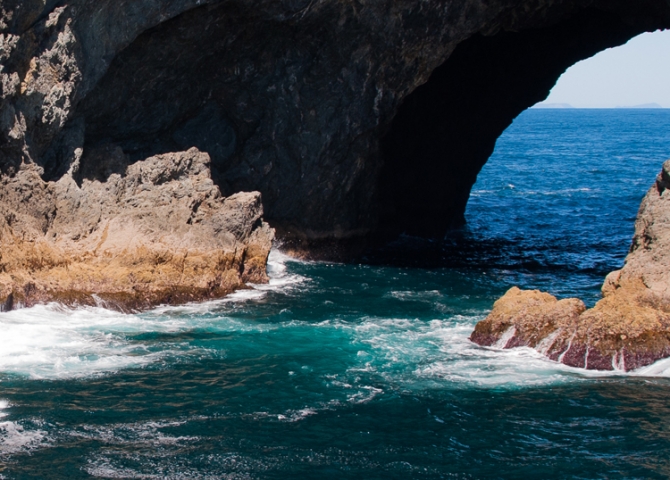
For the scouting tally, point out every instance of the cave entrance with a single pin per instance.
(446, 130)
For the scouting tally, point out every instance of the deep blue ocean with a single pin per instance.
(366, 371)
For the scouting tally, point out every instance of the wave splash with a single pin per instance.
(14, 437)
(53, 342)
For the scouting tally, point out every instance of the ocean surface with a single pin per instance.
(365, 371)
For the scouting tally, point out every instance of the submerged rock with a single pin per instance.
(628, 329)
(128, 237)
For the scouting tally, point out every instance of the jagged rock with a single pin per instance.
(349, 117)
(157, 231)
(628, 329)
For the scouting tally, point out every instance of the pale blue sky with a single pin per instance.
(635, 73)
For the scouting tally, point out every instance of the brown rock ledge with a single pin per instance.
(155, 232)
(628, 329)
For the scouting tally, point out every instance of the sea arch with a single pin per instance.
(448, 127)
(353, 119)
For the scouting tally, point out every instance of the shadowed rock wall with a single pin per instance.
(293, 97)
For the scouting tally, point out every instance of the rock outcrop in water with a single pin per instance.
(127, 236)
(349, 117)
(628, 329)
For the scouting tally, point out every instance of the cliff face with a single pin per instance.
(129, 129)
(629, 328)
(313, 103)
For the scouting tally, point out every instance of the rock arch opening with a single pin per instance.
(446, 130)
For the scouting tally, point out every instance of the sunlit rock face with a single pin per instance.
(351, 118)
(628, 329)
(154, 232)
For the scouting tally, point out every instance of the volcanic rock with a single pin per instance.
(351, 117)
(628, 329)
(127, 236)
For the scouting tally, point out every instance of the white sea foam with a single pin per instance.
(48, 342)
(51, 341)
(140, 434)
(13, 437)
(279, 276)
(561, 193)
(506, 337)
(439, 354)
(149, 442)
(296, 415)
(55, 342)
(661, 368)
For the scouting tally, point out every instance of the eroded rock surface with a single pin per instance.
(349, 117)
(628, 329)
(127, 236)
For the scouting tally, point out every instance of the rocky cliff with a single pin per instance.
(127, 236)
(629, 328)
(350, 117)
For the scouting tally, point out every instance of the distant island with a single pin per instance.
(552, 105)
(567, 105)
(644, 105)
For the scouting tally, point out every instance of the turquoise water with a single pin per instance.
(365, 371)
